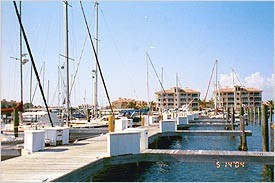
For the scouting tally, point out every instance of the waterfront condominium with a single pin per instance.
(238, 96)
(176, 97)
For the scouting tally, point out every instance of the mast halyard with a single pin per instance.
(95, 101)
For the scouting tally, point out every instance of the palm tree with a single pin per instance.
(270, 103)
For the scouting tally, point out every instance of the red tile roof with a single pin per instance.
(171, 91)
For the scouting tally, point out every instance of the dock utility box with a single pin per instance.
(182, 120)
(168, 126)
(34, 140)
(122, 124)
(126, 142)
(153, 119)
(143, 136)
(57, 135)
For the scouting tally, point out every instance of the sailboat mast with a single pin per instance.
(48, 91)
(67, 63)
(31, 87)
(177, 89)
(216, 88)
(147, 81)
(21, 64)
(58, 87)
(43, 81)
(161, 77)
(161, 105)
(95, 102)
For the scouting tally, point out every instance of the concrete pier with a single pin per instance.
(77, 161)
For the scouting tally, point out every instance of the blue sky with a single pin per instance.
(188, 37)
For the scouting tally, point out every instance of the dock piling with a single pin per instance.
(254, 115)
(265, 147)
(227, 119)
(142, 121)
(272, 137)
(88, 115)
(233, 119)
(227, 115)
(250, 115)
(259, 116)
(270, 114)
(111, 121)
(243, 145)
(15, 122)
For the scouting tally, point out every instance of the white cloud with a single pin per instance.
(229, 80)
(255, 80)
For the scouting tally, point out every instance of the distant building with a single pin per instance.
(238, 96)
(177, 97)
(124, 103)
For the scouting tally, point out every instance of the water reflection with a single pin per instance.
(184, 172)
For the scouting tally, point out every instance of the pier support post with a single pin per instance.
(254, 115)
(227, 115)
(270, 114)
(15, 122)
(142, 121)
(272, 137)
(243, 145)
(259, 116)
(88, 115)
(233, 119)
(265, 147)
(111, 121)
(250, 115)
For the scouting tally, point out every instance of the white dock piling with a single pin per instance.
(34, 140)
(168, 126)
(143, 136)
(120, 143)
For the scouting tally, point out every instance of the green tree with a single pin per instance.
(132, 104)
(210, 103)
(27, 105)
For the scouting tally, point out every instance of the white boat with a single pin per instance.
(41, 118)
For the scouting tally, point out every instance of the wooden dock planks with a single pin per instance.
(211, 156)
(54, 162)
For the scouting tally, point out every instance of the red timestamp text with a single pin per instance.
(230, 164)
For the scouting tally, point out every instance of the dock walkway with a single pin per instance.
(54, 162)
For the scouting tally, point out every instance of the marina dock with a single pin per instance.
(84, 158)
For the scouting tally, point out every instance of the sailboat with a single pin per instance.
(85, 128)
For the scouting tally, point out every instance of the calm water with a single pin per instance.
(193, 172)
(183, 172)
